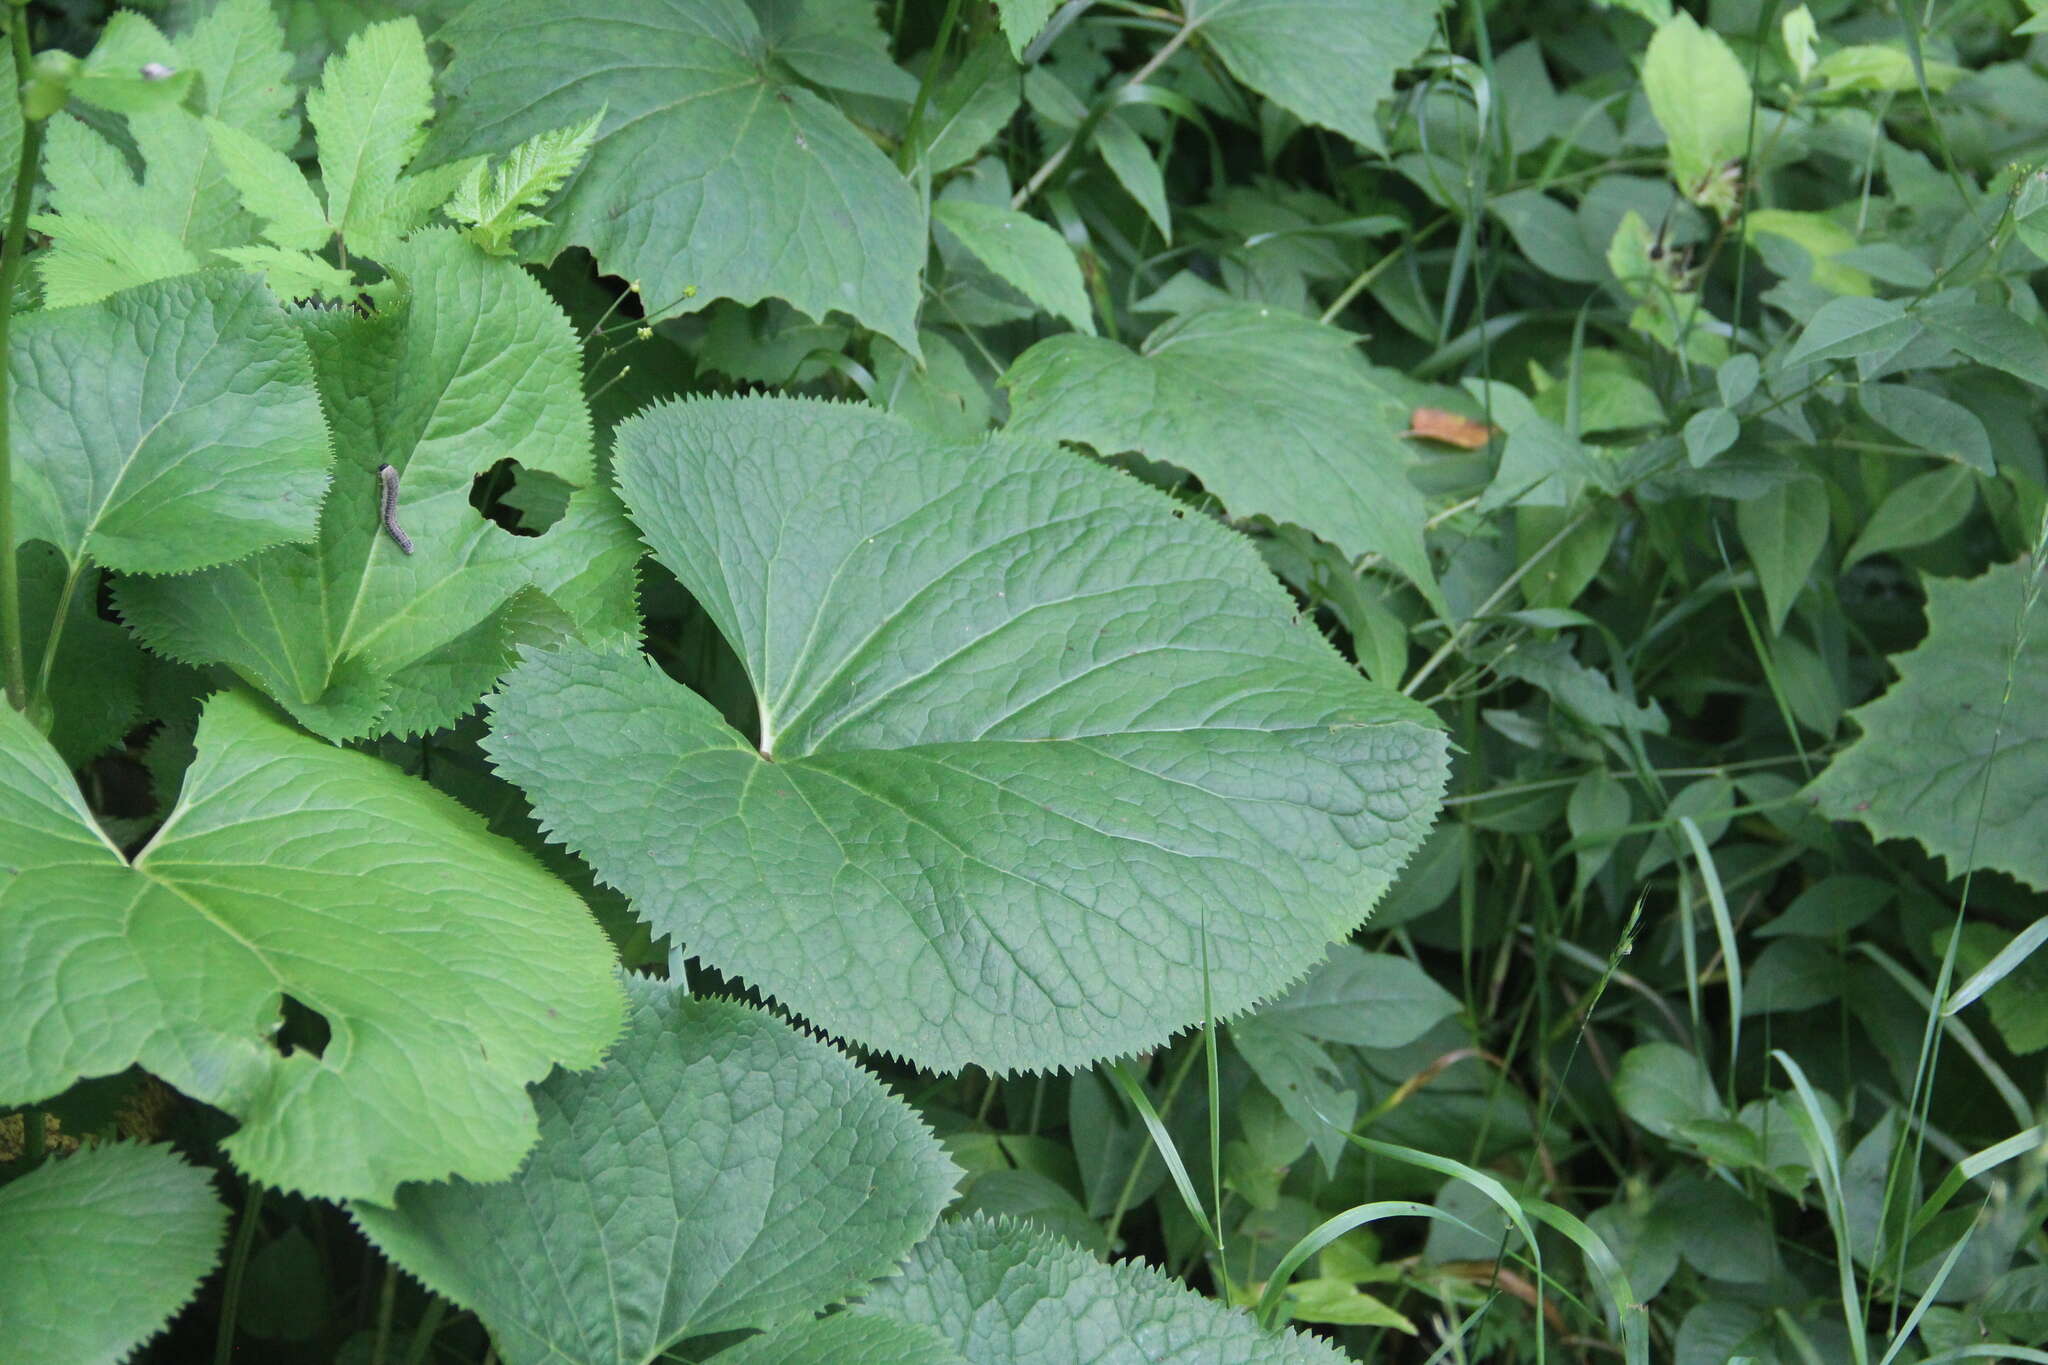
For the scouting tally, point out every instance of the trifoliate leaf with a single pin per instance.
(136, 1223)
(168, 429)
(450, 970)
(1919, 511)
(1027, 741)
(466, 363)
(1025, 252)
(110, 230)
(1329, 61)
(1298, 1073)
(770, 1176)
(1943, 758)
(494, 203)
(1003, 1292)
(1355, 997)
(1275, 414)
(708, 170)
(369, 114)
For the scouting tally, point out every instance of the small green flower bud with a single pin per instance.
(49, 81)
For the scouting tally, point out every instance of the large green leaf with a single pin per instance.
(710, 171)
(1003, 1292)
(721, 1171)
(450, 970)
(1329, 61)
(1034, 746)
(465, 363)
(137, 1224)
(1942, 747)
(173, 427)
(1276, 415)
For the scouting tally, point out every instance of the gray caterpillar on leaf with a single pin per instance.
(389, 478)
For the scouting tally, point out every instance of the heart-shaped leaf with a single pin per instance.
(450, 970)
(721, 1171)
(1038, 750)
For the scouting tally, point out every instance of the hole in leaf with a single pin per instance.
(302, 1029)
(524, 501)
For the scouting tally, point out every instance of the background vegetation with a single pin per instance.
(1643, 405)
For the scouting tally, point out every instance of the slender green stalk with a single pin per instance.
(1095, 114)
(10, 272)
(33, 1126)
(915, 127)
(423, 1336)
(42, 688)
(387, 1305)
(238, 1266)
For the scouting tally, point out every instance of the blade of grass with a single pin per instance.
(2003, 964)
(1329, 1230)
(1724, 930)
(1491, 1189)
(1826, 1156)
(1163, 1141)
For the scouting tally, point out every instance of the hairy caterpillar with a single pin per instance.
(389, 478)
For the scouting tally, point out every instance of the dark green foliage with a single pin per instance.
(1259, 680)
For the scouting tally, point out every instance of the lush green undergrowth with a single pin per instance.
(798, 680)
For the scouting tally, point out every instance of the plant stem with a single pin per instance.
(33, 1134)
(10, 272)
(915, 127)
(238, 1264)
(423, 1338)
(387, 1304)
(1499, 594)
(42, 687)
(1102, 106)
